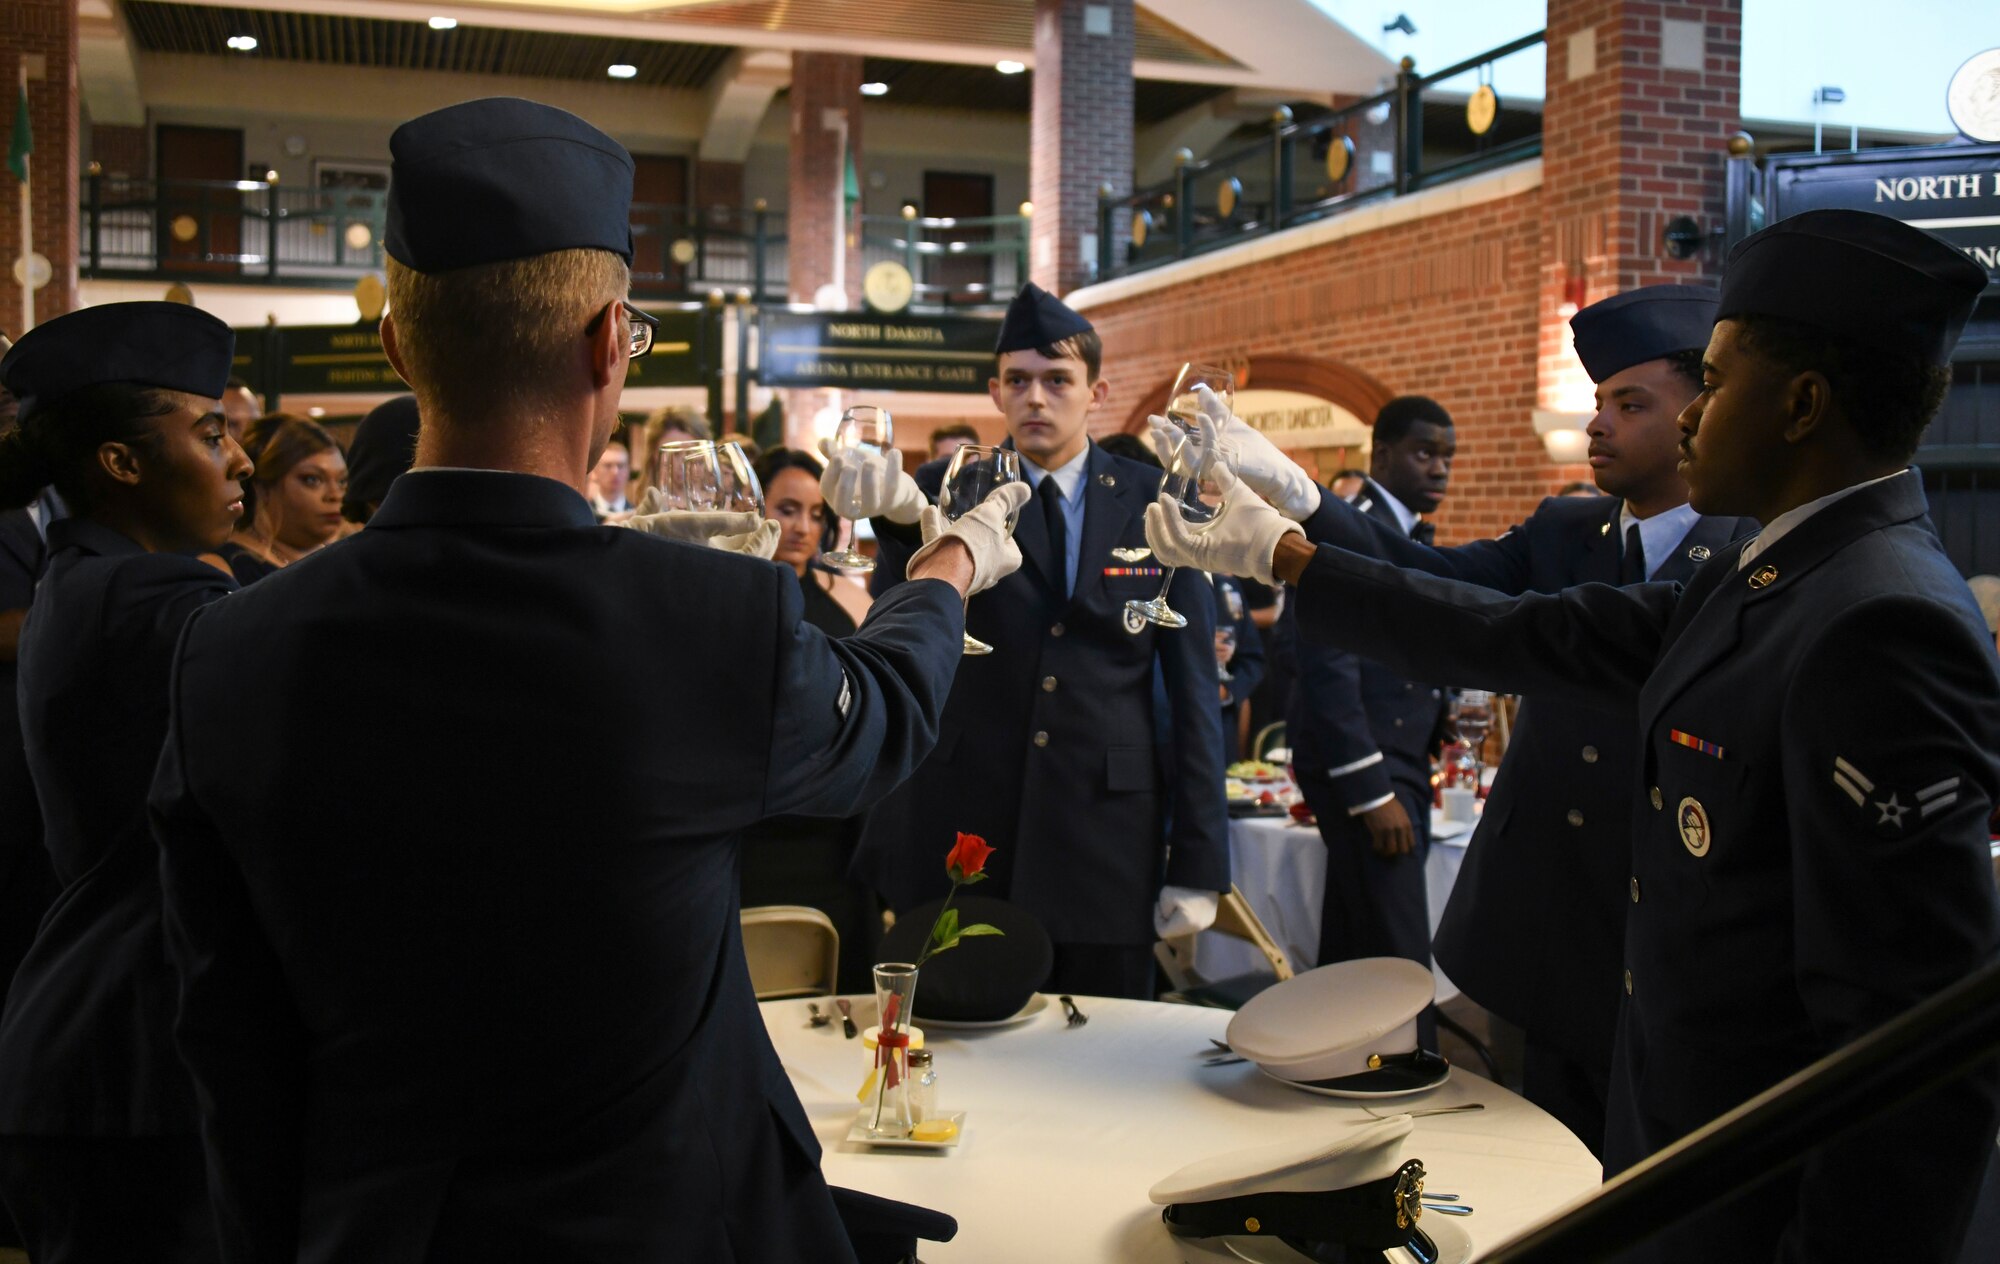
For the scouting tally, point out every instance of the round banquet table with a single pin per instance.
(1066, 1128)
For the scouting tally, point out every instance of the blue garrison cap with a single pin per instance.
(1037, 318)
(168, 345)
(1859, 276)
(1644, 324)
(504, 178)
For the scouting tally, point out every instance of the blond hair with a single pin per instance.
(495, 338)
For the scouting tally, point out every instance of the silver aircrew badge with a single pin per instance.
(1131, 555)
(1699, 553)
(1695, 833)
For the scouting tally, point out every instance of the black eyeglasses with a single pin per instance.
(643, 327)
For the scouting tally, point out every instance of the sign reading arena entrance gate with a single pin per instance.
(869, 351)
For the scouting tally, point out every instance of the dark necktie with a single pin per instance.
(1632, 566)
(1424, 532)
(1052, 517)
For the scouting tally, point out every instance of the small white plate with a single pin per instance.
(1454, 1246)
(859, 1135)
(1036, 1004)
(1356, 1093)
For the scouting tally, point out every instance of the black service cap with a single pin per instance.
(1037, 318)
(1652, 321)
(985, 978)
(168, 345)
(1859, 276)
(503, 178)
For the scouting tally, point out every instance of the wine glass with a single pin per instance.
(867, 429)
(689, 476)
(1225, 645)
(740, 490)
(975, 471)
(1472, 719)
(1187, 466)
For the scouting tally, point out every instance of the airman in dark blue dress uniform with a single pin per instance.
(1536, 924)
(496, 1006)
(120, 410)
(1048, 746)
(1819, 716)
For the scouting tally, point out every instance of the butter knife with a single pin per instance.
(847, 1026)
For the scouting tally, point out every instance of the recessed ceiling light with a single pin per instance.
(622, 70)
(874, 89)
(443, 24)
(1009, 67)
(242, 43)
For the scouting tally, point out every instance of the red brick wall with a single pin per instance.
(121, 151)
(821, 82)
(46, 28)
(718, 184)
(1081, 133)
(1443, 306)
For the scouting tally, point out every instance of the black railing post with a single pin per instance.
(1183, 202)
(758, 213)
(1281, 168)
(911, 259)
(1107, 243)
(96, 187)
(271, 233)
(745, 311)
(1409, 127)
(1740, 175)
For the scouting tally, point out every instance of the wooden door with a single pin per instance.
(200, 228)
(659, 218)
(961, 195)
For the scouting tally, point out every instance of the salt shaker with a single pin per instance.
(923, 1086)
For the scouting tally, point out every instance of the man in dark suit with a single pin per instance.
(1819, 712)
(1242, 658)
(1362, 735)
(1047, 748)
(497, 1006)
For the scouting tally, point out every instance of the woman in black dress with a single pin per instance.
(291, 506)
(796, 859)
(100, 1154)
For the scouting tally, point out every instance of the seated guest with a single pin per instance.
(672, 423)
(384, 445)
(946, 440)
(1348, 483)
(476, 1013)
(240, 408)
(792, 500)
(610, 481)
(100, 1157)
(291, 505)
(1239, 650)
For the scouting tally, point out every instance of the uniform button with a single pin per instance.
(1048, 684)
(1057, 630)
(1590, 754)
(1628, 983)
(1437, 693)
(1657, 800)
(1042, 739)
(1635, 890)
(1399, 723)
(1575, 817)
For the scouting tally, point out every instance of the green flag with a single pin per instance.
(23, 143)
(853, 185)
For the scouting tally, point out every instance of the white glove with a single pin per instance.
(986, 532)
(859, 483)
(1240, 541)
(1184, 911)
(1270, 473)
(731, 532)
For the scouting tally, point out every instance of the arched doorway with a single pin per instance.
(1317, 410)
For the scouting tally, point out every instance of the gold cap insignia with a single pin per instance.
(1251, 1224)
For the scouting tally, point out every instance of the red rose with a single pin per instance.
(967, 858)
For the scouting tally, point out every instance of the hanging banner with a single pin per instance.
(870, 351)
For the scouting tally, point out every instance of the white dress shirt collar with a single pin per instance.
(1405, 516)
(1782, 525)
(1660, 534)
(1068, 475)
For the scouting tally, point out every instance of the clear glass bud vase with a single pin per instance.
(888, 1110)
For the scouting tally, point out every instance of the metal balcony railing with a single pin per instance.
(1377, 147)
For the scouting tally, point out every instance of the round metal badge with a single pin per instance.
(1695, 833)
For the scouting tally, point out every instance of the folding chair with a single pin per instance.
(792, 950)
(1233, 916)
(1267, 737)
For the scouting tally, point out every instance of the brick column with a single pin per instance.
(1642, 98)
(45, 32)
(1082, 132)
(826, 90)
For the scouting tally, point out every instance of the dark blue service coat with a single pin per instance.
(26, 885)
(1535, 927)
(457, 940)
(86, 1048)
(1817, 737)
(1047, 747)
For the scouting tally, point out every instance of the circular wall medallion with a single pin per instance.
(683, 251)
(1482, 109)
(359, 236)
(184, 228)
(1227, 196)
(1142, 224)
(1339, 157)
(1973, 100)
(370, 296)
(888, 286)
(32, 270)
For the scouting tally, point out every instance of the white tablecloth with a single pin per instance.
(1281, 869)
(1067, 1128)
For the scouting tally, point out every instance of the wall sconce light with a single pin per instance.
(1563, 436)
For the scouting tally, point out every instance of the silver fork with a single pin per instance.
(1077, 1017)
